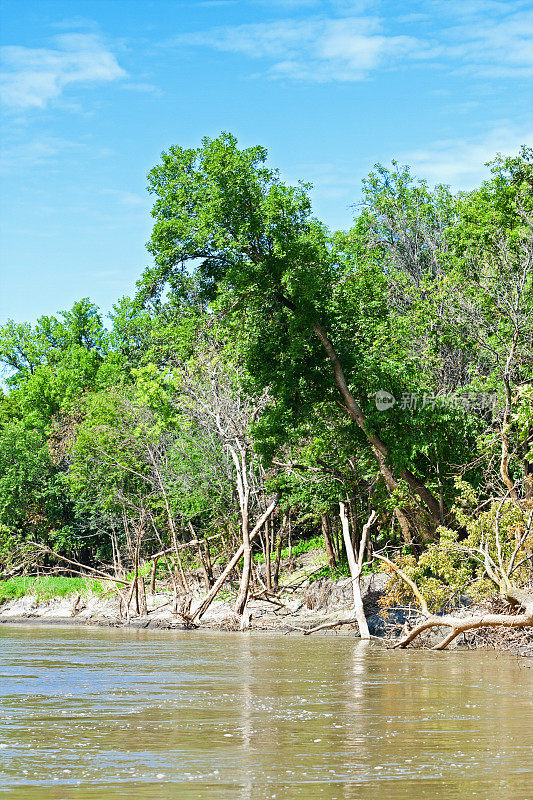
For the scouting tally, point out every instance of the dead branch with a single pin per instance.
(412, 585)
(328, 625)
(234, 560)
(460, 625)
(78, 566)
(517, 597)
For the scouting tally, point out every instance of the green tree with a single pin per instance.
(318, 327)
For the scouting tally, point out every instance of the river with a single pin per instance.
(111, 713)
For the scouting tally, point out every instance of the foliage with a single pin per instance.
(453, 567)
(254, 353)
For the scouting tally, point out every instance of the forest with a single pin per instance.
(274, 383)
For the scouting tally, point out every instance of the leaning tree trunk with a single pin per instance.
(378, 446)
(380, 450)
(234, 560)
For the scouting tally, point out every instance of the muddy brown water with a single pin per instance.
(92, 713)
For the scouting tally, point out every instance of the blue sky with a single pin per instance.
(93, 90)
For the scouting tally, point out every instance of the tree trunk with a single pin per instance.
(152, 576)
(379, 448)
(268, 571)
(327, 543)
(355, 572)
(208, 564)
(242, 597)
(207, 577)
(279, 547)
(141, 597)
(504, 428)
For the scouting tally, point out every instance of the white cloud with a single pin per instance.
(35, 153)
(485, 38)
(34, 76)
(497, 46)
(476, 9)
(460, 162)
(315, 49)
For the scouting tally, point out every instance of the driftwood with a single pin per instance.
(328, 625)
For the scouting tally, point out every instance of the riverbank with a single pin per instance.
(313, 604)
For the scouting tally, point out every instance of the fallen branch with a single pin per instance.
(326, 625)
(96, 572)
(267, 597)
(234, 560)
(458, 625)
(5, 576)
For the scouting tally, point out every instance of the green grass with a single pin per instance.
(342, 570)
(144, 571)
(46, 587)
(298, 549)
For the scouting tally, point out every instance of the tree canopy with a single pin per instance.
(266, 354)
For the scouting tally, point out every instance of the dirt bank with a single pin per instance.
(312, 604)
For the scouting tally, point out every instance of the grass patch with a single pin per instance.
(46, 587)
(342, 570)
(298, 549)
(144, 571)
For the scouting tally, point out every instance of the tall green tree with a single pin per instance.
(318, 325)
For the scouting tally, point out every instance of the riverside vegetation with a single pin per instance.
(273, 382)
